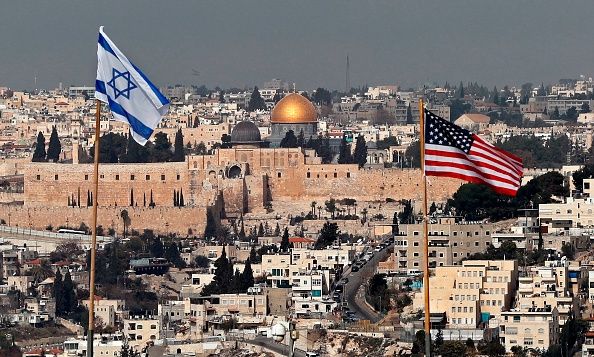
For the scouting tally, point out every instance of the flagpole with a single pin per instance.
(425, 235)
(91, 326)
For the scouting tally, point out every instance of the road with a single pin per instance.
(274, 346)
(354, 289)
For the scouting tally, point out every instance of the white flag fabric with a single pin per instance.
(131, 96)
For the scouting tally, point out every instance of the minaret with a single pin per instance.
(347, 86)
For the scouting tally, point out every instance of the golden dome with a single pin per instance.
(294, 108)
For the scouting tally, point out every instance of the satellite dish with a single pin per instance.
(278, 332)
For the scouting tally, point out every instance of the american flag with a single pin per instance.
(452, 151)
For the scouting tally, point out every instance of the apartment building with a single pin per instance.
(140, 330)
(449, 242)
(276, 268)
(110, 311)
(472, 293)
(310, 291)
(547, 286)
(530, 328)
(209, 309)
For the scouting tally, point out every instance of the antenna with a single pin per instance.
(348, 76)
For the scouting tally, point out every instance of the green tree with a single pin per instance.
(111, 148)
(39, 153)
(172, 254)
(325, 150)
(395, 228)
(344, 155)
(161, 151)
(571, 114)
(54, 148)
(223, 277)
(360, 154)
(256, 101)
(179, 154)
(210, 231)
(377, 293)
(289, 141)
(157, 249)
(58, 293)
(200, 149)
(568, 250)
(285, 245)
(412, 154)
(493, 348)
(202, 262)
(247, 277)
(331, 206)
(301, 139)
(322, 97)
(407, 215)
(453, 349)
(69, 300)
(460, 91)
(328, 234)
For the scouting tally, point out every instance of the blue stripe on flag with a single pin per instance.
(100, 86)
(161, 97)
(136, 125)
(103, 42)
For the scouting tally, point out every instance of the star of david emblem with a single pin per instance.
(124, 82)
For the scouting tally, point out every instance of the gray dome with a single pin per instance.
(245, 132)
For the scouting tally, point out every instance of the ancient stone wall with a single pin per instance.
(119, 184)
(161, 219)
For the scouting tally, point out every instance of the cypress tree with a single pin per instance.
(69, 295)
(58, 293)
(360, 155)
(261, 230)
(277, 230)
(152, 203)
(54, 148)
(284, 246)
(247, 277)
(253, 255)
(178, 149)
(39, 153)
(181, 198)
(89, 198)
(241, 234)
(131, 197)
(301, 139)
(256, 101)
(144, 199)
(175, 198)
(344, 156)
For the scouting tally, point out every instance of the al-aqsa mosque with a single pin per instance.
(293, 112)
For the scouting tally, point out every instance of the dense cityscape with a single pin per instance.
(242, 215)
(342, 199)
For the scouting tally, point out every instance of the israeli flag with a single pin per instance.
(131, 96)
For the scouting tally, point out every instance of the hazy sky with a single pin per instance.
(246, 42)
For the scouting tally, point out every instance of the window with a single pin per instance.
(117, 177)
(38, 177)
(476, 244)
(335, 175)
(415, 244)
(86, 177)
(131, 177)
(308, 175)
(162, 177)
(348, 174)
(178, 177)
(56, 177)
(278, 175)
(148, 177)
